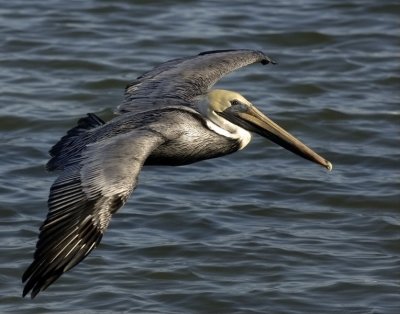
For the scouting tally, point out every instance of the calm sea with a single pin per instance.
(260, 231)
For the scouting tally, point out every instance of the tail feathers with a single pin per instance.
(67, 142)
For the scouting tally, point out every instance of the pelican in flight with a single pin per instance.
(169, 116)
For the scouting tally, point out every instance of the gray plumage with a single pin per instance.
(169, 116)
(178, 81)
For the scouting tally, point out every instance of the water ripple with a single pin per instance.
(260, 231)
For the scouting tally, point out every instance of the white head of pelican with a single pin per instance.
(170, 116)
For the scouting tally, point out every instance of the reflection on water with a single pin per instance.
(260, 231)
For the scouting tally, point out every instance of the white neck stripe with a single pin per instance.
(239, 134)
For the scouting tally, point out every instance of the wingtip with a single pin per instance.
(26, 291)
(27, 288)
(32, 296)
(268, 61)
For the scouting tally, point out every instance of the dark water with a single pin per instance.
(260, 231)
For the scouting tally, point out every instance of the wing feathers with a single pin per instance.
(68, 143)
(181, 80)
(82, 201)
(70, 232)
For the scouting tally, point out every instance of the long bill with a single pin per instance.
(266, 127)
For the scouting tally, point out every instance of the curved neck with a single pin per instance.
(221, 126)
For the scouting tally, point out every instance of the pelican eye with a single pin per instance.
(238, 106)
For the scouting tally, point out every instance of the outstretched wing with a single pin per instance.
(81, 203)
(185, 78)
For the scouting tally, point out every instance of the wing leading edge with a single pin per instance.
(180, 80)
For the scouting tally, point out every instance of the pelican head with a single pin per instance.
(232, 115)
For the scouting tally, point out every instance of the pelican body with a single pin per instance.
(169, 116)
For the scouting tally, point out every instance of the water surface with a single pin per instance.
(260, 231)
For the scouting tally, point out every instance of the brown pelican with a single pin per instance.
(170, 116)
